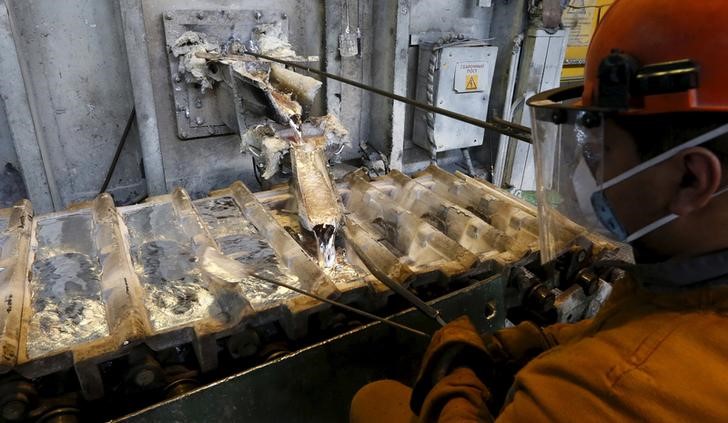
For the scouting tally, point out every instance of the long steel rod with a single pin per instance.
(342, 305)
(408, 295)
(512, 130)
(117, 153)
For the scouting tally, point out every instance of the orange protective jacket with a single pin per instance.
(647, 356)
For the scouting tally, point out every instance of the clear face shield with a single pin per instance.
(570, 145)
(568, 151)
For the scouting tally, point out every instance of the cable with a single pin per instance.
(598, 7)
(119, 147)
(571, 6)
(430, 90)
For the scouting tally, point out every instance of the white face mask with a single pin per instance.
(595, 207)
(585, 185)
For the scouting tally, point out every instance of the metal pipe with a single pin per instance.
(503, 143)
(514, 131)
(141, 82)
(469, 162)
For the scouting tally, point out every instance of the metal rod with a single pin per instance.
(136, 37)
(512, 130)
(341, 305)
(469, 162)
(413, 299)
(119, 148)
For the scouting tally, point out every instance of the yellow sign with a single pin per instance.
(471, 82)
(581, 17)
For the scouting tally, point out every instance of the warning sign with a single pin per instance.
(469, 76)
(471, 82)
(580, 21)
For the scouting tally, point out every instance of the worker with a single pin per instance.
(639, 151)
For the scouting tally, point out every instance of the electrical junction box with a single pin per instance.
(460, 82)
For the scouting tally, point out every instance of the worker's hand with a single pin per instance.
(459, 397)
(456, 345)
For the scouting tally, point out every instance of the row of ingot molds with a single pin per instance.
(15, 262)
(508, 213)
(416, 246)
(458, 223)
(253, 301)
(363, 234)
(119, 254)
(91, 293)
(371, 209)
(496, 208)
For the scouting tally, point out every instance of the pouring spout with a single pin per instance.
(325, 242)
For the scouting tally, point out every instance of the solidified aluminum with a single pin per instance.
(318, 202)
(270, 39)
(240, 240)
(255, 79)
(163, 257)
(186, 47)
(302, 87)
(272, 142)
(458, 223)
(250, 79)
(65, 289)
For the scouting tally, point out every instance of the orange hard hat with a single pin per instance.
(647, 57)
(659, 56)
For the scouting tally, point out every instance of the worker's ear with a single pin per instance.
(701, 178)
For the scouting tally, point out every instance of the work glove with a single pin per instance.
(458, 397)
(493, 358)
(457, 345)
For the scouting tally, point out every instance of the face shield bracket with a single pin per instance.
(617, 80)
(624, 82)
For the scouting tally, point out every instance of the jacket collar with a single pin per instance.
(706, 270)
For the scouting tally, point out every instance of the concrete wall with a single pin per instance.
(66, 110)
(203, 164)
(12, 186)
(77, 84)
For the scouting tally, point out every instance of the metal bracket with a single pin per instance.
(237, 105)
(199, 114)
